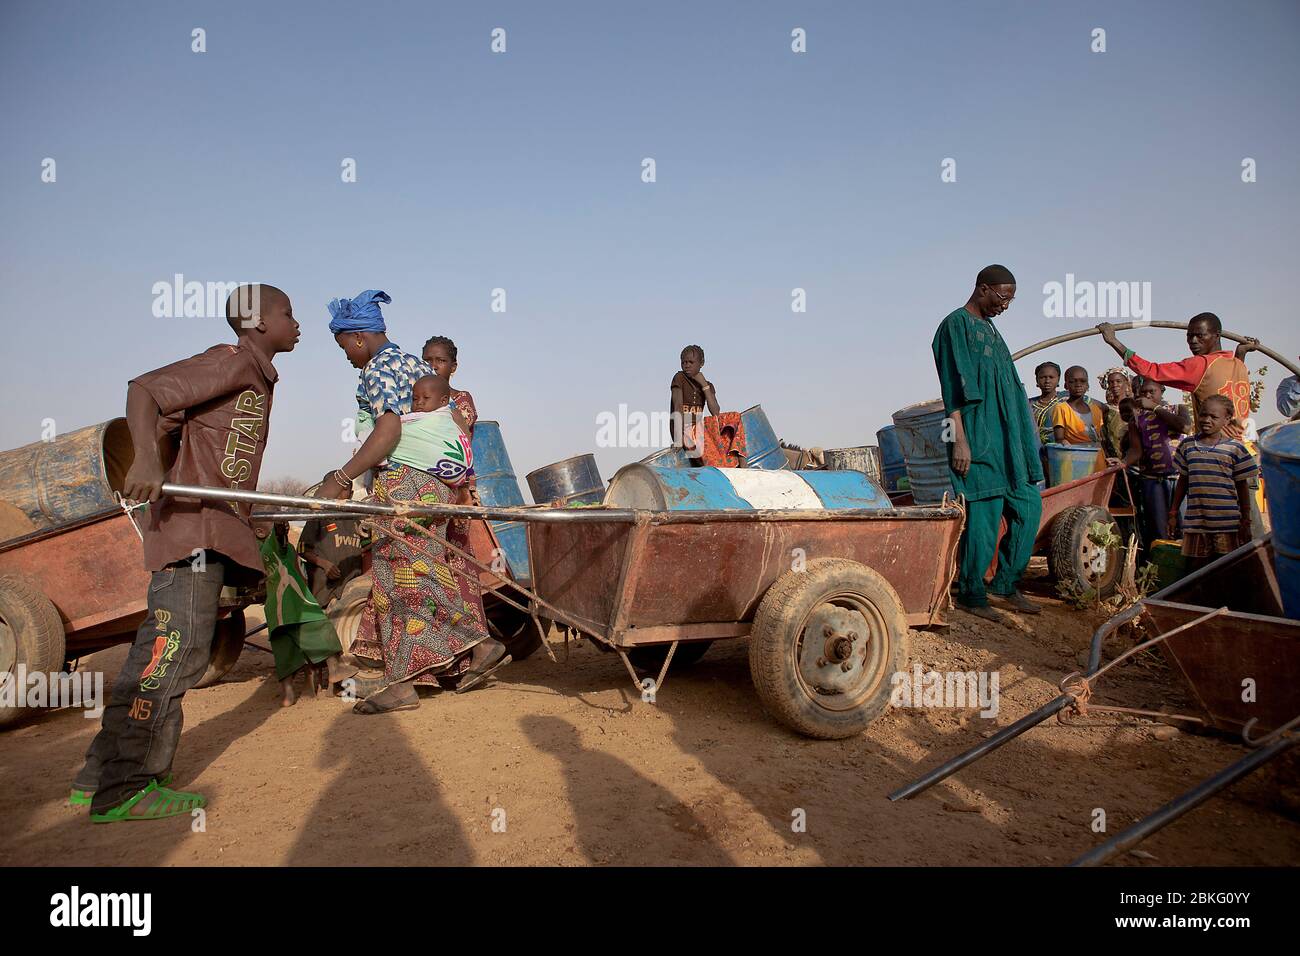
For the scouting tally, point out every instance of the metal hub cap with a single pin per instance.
(838, 656)
(1093, 560)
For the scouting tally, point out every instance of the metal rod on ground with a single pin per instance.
(979, 750)
(1189, 801)
(946, 770)
(1044, 712)
(1126, 326)
(1100, 635)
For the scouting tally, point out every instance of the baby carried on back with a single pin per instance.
(433, 438)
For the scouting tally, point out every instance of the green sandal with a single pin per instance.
(165, 803)
(83, 798)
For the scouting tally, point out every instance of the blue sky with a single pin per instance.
(522, 171)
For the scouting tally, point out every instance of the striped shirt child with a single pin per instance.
(1213, 467)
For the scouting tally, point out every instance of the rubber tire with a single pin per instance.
(650, 658)
(36, 630)
(1068, 531)
(227, 645)
(773, 638)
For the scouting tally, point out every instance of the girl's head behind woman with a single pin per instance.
(440, 353)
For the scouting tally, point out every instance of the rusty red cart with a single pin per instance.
(1069, 512)
(78, 588)
(825, 596)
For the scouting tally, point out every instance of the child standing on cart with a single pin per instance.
(689, 394)
(222, 398)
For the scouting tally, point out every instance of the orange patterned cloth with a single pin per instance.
(724, 441)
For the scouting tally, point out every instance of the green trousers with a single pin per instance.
(297, 645)
(1022, 508)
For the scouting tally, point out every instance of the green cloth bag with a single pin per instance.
(300, 632)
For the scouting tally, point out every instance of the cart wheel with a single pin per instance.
(823, 646)
(1076, 560)
(227, 644)
(513, 628)
(31, 634)
(650, 658)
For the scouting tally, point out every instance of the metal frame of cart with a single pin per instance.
(825, 596)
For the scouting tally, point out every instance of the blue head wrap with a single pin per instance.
(360, 314)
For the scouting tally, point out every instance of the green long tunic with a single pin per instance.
(979, 380)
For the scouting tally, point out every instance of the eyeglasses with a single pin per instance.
(1004, 299)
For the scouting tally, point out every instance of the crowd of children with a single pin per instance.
(1190, 469)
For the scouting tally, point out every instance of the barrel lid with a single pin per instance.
(537, 471)
(919, 409)
(1282, 442)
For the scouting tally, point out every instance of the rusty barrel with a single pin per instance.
(70, 477)
(573, 481)
(863, 458)
(499, 488)
(1279, 454)
(653, 488)
(920, 434)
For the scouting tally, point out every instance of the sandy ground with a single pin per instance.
(580, 771)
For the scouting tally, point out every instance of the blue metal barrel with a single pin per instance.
(762, 449)
(575, 480)
(70, 477)
(499, 488)
(920, 434)
(892, 464)
(1066, 463)
(654, 488)
(668, 458)
(1279, 454)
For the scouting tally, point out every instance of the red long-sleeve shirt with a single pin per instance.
(1218, 373)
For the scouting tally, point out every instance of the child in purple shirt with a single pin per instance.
(1150, 445)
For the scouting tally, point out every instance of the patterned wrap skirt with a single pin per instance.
(425, 612)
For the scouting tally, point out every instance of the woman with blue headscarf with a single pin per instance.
(424, 618)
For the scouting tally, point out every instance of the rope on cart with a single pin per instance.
(1080, 686)
(130, 506)
(400, 528)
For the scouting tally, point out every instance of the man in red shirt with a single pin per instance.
(1210, 371)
